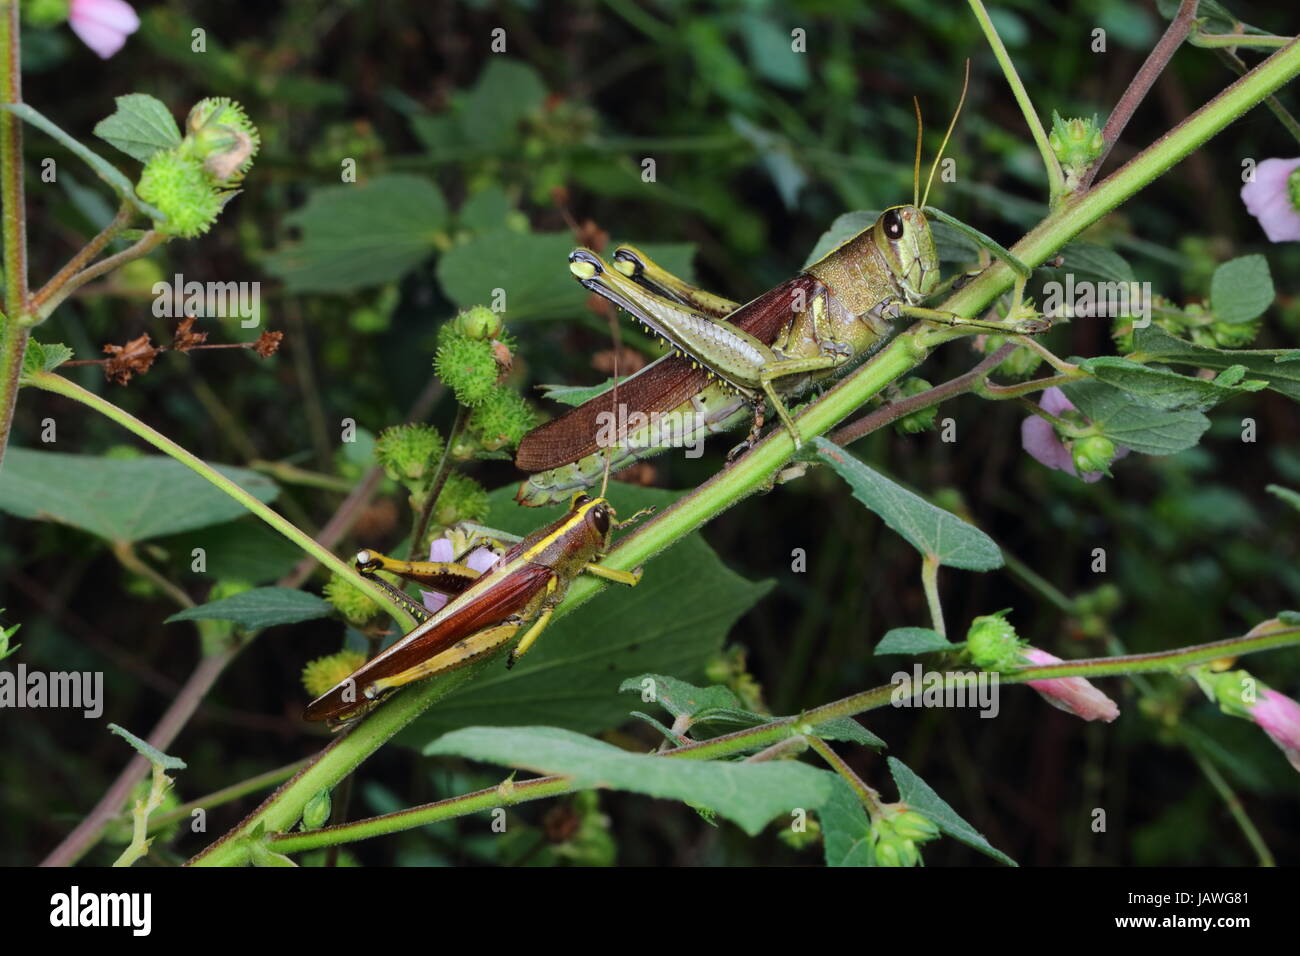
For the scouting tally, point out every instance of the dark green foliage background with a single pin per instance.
(757, 152)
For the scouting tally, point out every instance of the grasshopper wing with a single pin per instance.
(488, 602)
(660, 387)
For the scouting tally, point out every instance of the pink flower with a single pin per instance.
(480, 559)
(1039, 438)
(1279, 717)
(1269, 198)
(103, 25)
(1074, 695)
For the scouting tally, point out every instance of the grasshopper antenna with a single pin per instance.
(946, 136)
(916, 167)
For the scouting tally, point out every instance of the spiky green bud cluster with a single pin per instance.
(921, 420)
(474, 354)
(320, 675)
(502, 420)
(220, 135)
(192, 182)
(461, 499)
(992, 643)
(409, 453)
(467, 366)
(1077, 143)
(179, 186)
(354, 604)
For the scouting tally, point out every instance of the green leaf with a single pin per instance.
(916, 793)
(486, 210)
(148, 750)
(1286, 494)
(140, 126)
(848, 729)
(913, 640)
(359, 235)
(750, 794)
(1091, 262)
(673, 622)
(1150, 431)
(246, 549)
(1289, 617)
(771, 53)
(1155, 344)
(43, 357)
(679, 698)
(121, 500)
(258, 608)
(926, 527)
(1163, 389)
(505, 93)
(102, 167)
(531, 268)
(1241, 289)
(846, 831)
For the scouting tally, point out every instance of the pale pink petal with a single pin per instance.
(440, 550)
(1268, 199)
(482, 559)
(1279, 717)
(1053, 401)
(103, 25)
(1074, 695)
(434, 601)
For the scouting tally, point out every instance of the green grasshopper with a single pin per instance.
(727, 361)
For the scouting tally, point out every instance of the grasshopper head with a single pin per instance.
(596, 513)
(903, 236)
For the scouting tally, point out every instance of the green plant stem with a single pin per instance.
(129, 559)
(1212, 41)
(869, 797)
(756, 469)
(1055, 176)
(1233, 803)
(229, 852)
(227, 794)
(437, 483)
(1284, 116)
(62, 386)
(125, 214)
(146, 244)
(13, 224)
(930, 583)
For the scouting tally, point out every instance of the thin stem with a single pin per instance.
(227, 794)
(1055, 176)
(887, 414)
(1284, 116)
(869, 797)
(1213, 41)
(87, 252)
(1141, 84)
(1233, 803)
(13, 227)
(127, 557)
(930, 582)
(62, 386)
(439, 480)
(1001, 392)
(1048, 356)
(146, 244)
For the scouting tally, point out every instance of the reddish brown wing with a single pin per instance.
(508, 596)
(659, 387)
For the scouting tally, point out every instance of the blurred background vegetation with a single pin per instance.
(476, 169)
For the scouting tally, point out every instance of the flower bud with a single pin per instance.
(179, 186)
(467, 366)
(1077, 143)
(409, 453)
(478, 322)
(992, 643)
(317, 811)
(354, 604)
(502, 420)
(1092, 453)
(320, 675)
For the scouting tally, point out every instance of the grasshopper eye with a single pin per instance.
(893, 225)
(600, 518)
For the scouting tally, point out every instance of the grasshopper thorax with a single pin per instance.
(903, 236)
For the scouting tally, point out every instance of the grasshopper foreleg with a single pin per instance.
(1032, 326)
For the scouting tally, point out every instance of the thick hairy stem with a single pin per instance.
(13, 212)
